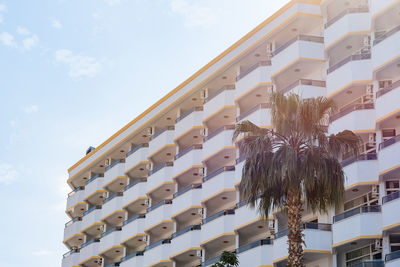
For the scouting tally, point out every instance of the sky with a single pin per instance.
(74, 72)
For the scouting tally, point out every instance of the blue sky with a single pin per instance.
(72, 73)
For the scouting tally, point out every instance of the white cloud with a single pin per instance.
(31, 109)
(194, 15)
(7, 173)
(23, 31)
(7, 39)
(79, 65)
(43, 252)
(30, 42)
(56, 24)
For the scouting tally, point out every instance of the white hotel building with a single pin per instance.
(162, 191)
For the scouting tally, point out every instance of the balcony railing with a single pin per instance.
(304, 82)
(118, 194)
(389, 142)
(252, 110)
(113, 264)
(118, 228)
(94, 178)
(309, 225)
(159, 204)
(95, 240)
(386, 35)
(258, 243)
(187, 113)
(137, 181)
(220, 170)
(72, 221)
(79, 188)
(356, 211)
(370, 263)
(134, 218)
(255, 66)
(213, 260)
(72, 251)
(217, 215)
(368, 156)
(362, 56)
(187, 189)
(308, 38)
(168, 128)
(392, 256)
(136, 149)
(114, 164)
(219, 91)
(387, 89)
(350, 109)
(158, 243)
(391, 197)
(218, 131)
(187, 229)
(97, 207)
(187, 150)
(363, 9)
(134, 254)
(165, 164)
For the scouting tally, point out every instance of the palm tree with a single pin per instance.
(228, 259)
(294, 160)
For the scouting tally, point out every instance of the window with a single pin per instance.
(392, 186)
(394, 241)
(368, 199)
(359, 255)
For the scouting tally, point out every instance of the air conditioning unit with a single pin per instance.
(271, 226)
(147, 202)
(378, 244)
(203, 94)
(201, 171)
(148, 166)
(100, 261)
(375, 191)
(384, 84)
(200, 212)
(372, 138)
(203, 132)
(108, 162)
(370, 90)
(145, 238)
(198, 253)
(269, 50)
(149, 131)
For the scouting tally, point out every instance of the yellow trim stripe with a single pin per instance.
(347, 86)
(184, 251)
(106, 250)
(249, 91)
(251, 222)
(160, 150)
(69, 238)
(387, 115)
(361, 184)
(185, 210)
(209, 117)
(216, 194)
(136, 165)
(90, 226)
(305, 251)
(294, 61)
(389, 170)
(198, 73)
(215, 153)
(356, 238)
(186, 132)
(114, 180)
(384, 9)
(132, 237)
(344, 37)
(390, 226)
(111, 214)
(159, 186)
(186, 170)
(216, 237)
(157, 224)
(133, 201)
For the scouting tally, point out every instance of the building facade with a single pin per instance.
(162, 191)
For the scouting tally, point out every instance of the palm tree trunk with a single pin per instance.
(295, 236)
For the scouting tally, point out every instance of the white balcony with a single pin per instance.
(75, 197)
(256, 254)
(112, 204)
(93, 185)
(361, 172)
(186, 159)
(356, 118)
(260, 115)
(317, 238)
(72, 228)
(187, 198)
(134, 192)
(223, 97)
(133, 227)
(387, 101)
(378, 6)
(188, 238)
(384, 49)
(353, 69)
(366, 222)
(89, 252)
(392, 259)
(90, 217)
(70, 259)
(113, 171)
(257, 75)
(158, 253)
(216, 141)
(109, 240)
(135, 259)
(306, 88)
(245, 215)
(238, 170)
(189, 120)
(162, 174)
(217, 225)
(135, 157)
(390, 213)
(348, 21)
(300, 48)
(157, 214)
(389, 155)
(218, 182)
(161, 139)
